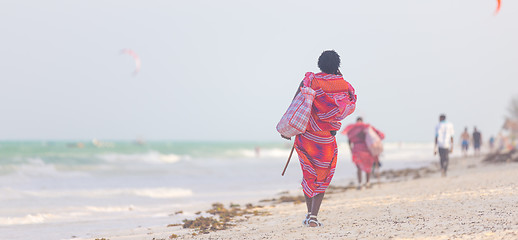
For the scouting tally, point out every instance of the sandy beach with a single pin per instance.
(475, 201)
(163, 120)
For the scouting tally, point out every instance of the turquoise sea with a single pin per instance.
(63, 189)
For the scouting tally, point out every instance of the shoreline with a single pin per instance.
(413, 184)
(71, 194)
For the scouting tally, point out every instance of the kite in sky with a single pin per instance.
(135, 57)
(499, 3)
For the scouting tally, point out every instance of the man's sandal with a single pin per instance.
(306, 220)
(313, 219)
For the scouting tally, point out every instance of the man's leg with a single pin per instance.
(309, 203)
(376, 170)
(446, 159)
(367, 180)
(317, 201)
(359, 174)
(443, 153)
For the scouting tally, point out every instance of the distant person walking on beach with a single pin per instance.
(444, 142)
(491, 143)
(317, 148)
(477, 141)
(465, 142)
(362, 156)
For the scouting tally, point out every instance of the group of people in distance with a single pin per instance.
(444, 142)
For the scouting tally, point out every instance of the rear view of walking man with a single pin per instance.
(444, 142)
(477, 141)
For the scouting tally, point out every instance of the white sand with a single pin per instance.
(476, 202)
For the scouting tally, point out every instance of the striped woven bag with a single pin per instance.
(296, 118)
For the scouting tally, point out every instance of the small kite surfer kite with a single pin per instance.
(135, 57)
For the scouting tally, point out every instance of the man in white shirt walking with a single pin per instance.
(444, 142)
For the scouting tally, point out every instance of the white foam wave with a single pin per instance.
(259, 152)
(36, 167)
(275, 153)
(247, 153)
(84, 213)
(110, 209)
(149, 157)
(27, 219)
(61, 215)
(161, 193)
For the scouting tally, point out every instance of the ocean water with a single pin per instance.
(63, 190)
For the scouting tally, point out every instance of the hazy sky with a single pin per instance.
(227, 70)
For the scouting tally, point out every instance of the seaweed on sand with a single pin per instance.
(334, 188)
(407, 172)
(224, 220)
(294, 199)
(205, 224)
(501, 157)
(285, 199)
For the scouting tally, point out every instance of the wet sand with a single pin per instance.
(475, 201)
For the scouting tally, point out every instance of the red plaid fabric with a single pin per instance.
(296, 118)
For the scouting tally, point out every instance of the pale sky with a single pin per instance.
(227, 70)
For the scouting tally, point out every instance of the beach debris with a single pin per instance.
(135, 57)
(334, 188)
(102, 239)
(268, 200)
(224, 217)
(501, 157)
(294, 199)
(174, 225)
(407, 172)
(173, 236)
(250, 206)
(206, 224)
(392, 175)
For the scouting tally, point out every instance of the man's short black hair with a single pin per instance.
(329, 62)
(442, 117)
(359, 119)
